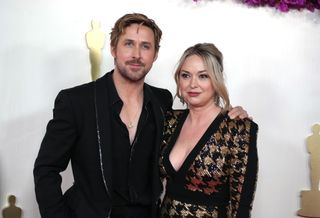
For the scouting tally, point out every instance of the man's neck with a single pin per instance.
(128, 90)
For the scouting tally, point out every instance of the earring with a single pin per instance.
(180, 97)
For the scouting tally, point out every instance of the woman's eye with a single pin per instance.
(184, 75)
(203, 76)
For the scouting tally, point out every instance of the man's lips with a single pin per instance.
(135, 67)
(135, 63)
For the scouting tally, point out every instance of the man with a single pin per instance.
(110, 130)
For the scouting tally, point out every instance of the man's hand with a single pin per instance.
(238, 111)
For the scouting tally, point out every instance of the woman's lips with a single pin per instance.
(193, 94)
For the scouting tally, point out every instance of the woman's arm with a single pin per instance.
(243, 169)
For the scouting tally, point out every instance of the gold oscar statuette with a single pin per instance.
(95, 39)
(310, 200)
(12, 211)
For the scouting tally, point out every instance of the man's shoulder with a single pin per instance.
(157, 90)
(78, 90)
(84, 88)
(162, 95)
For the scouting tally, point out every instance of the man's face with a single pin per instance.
(135, 52)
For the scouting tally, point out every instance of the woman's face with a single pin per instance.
(195, 83)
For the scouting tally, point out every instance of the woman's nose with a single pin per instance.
(193, 82)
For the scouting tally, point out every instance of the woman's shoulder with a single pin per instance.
(173, 117)
(239, 124)
(175, 114)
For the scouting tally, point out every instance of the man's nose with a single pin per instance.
(137, 52)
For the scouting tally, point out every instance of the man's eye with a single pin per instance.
(146, 46)
(128, 43)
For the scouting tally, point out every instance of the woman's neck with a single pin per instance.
(199, 115)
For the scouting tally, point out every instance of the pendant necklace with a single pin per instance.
(131, 123)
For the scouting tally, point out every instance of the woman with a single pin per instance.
(208, 160)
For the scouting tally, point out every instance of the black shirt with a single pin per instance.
(131, 163)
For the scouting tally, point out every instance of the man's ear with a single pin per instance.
(155, 56)
(113, 51)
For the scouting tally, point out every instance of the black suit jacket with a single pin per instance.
(80, 131)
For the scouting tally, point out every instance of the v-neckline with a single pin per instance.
(196, 149)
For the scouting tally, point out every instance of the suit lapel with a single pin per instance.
(104, 131)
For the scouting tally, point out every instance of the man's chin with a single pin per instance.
(135, 77)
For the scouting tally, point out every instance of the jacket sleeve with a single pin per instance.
(53, 158)
(244, 169)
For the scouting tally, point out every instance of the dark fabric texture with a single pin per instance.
(218, 177)
(72, 135)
